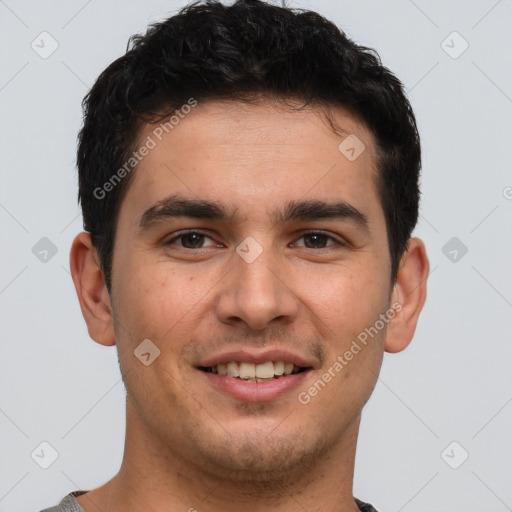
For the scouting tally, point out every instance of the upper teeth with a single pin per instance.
(245, 370)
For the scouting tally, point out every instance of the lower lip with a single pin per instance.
(255, 391)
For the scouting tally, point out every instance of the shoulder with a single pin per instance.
(364, 507)
(67, 504)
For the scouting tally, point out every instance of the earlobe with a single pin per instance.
(89, 281)
(409, 292)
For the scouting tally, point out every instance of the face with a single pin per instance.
(271, 250)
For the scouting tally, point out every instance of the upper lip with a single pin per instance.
(255, 358)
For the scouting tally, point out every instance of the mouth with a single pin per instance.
(250, 372)
(251, 376)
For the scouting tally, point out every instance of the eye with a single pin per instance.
(195, 240)
(189, 239)
(316, 239)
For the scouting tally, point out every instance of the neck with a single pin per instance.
(153, 478)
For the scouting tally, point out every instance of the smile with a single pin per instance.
(255, 382)
(251, 372)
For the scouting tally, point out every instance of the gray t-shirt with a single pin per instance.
(69, 504)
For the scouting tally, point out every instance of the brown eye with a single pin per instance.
(192, 240)
(189, 240)
(318, 240)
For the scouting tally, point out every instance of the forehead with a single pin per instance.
(254, 155)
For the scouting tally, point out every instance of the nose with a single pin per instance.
(257, 293)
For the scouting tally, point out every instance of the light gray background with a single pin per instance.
(453, 383)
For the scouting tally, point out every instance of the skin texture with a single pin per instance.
(188, 446)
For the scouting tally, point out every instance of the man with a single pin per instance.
(249, 185)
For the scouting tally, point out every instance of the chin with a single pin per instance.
(269, 460)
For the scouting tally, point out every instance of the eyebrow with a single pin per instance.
(176, 206)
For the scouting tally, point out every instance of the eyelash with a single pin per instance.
(189, 232)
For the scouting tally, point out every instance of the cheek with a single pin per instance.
(349, 299)
(143, 299)
(352, 305)
(160, 300)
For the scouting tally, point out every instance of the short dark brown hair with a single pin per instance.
(250, 49)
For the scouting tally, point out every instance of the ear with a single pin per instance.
(409, 294)
(91, 289)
